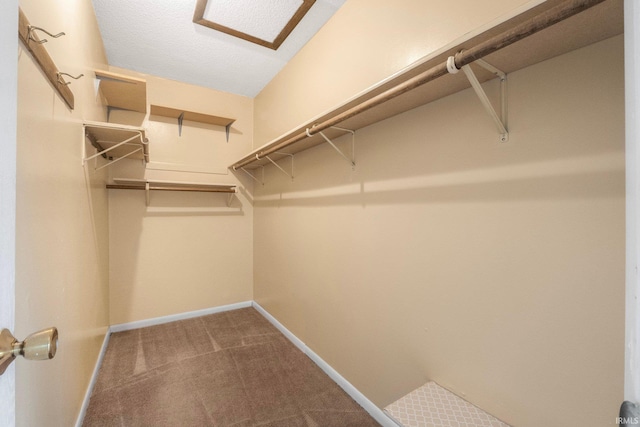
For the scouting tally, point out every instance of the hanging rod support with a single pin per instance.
(482, 95)
(280, 167)
(484, 64)
(230, 198)
(503, 88)
(351, 161)
(253, 177)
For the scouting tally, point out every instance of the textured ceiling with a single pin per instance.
(158, 37)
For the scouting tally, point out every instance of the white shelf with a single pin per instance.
(123, 92)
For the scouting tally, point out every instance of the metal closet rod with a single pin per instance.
(535, 24)
(156, 187)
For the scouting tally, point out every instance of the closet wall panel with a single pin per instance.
(62, 241)
(183, 251)
(494, 269)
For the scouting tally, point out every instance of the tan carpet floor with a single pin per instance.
(226, 369)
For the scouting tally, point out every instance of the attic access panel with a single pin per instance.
(267, 23)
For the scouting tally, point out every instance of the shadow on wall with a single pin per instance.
(558, 187)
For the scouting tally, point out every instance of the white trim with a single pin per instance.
(174, 317)
(94, 377)
(287, 333)
(378, 414)
(632, 155)
(9, 47)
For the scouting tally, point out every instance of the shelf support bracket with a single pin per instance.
(280, 167)
(147, 191)
(230, 198)
(227, 129)
(499, 120)
(253, 177)
(180, 118)
(105, 151)
(112, 161)
(351, 160)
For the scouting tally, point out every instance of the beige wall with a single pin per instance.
(62, 224)
(495, 270)
(184, 251)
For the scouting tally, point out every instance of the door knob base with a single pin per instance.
(41, 345)
(7, 349)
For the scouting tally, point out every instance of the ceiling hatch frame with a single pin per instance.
(201, 6)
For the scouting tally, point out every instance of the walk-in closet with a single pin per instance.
(407, 213)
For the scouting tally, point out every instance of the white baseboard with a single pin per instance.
(175, 317)
(287, 333)
(94, 377)
(375, 412)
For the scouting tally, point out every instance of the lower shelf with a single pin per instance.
(432, 405)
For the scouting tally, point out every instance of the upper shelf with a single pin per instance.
(175, 113)
(550, 29)
(123, 92)
(180, 115)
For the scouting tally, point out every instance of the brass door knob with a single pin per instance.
(41, 345)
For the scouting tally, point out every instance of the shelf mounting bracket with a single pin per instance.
(352, 160)
(103, 152)
(501, 119)
(290, 175)
(227, 129)
(253, 176)
(180, 119)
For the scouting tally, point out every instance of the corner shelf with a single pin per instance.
(115, 142)
(123, 92)
(180, 115)
(153, 185)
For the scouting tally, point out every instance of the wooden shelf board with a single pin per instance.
(593, 25)
(175, 113)
(125, 92)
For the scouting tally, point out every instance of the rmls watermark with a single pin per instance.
(627, 421)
